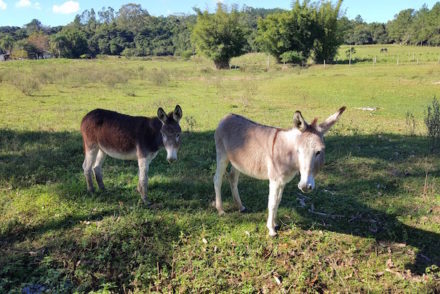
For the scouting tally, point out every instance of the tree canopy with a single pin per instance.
(219, 36)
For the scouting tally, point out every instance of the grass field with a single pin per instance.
(372, 225)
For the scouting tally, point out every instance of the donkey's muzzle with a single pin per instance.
(171, 159)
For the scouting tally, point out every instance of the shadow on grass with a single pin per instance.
(359, 169)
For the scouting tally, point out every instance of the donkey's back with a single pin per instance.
(245, 143)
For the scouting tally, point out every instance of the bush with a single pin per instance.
(129, 52)
(187, 54)
(432, 122)
(292, 57)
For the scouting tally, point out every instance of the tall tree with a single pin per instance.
(131, 17)
(7, 43)
(327, 36)
(219, 36)
(38, 43)
(399, 27)
(288, 33)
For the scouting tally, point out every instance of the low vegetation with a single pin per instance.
(432, 122)
(371, 226)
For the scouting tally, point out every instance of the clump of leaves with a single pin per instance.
(432, 122)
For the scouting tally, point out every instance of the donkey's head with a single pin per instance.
(310, 148)
(170, 131)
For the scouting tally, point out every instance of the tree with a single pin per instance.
(34, 26)
(38, 43)
(131, 17)
(292, 36)
(398, 28)
(219, 36)
(291, 31)
(327, 36)
(7, 43)
(70, 42)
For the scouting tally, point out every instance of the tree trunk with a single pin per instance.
(221, 64)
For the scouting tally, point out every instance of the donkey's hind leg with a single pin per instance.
(222, 164)
(89, 160)
(97, 169)
(233, 181)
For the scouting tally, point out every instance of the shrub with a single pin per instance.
(186, 55)
(432, 122)
(292, 57)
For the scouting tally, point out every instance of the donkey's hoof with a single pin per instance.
(272, 233)
(221, 212)
(244, 210)
(146, 203)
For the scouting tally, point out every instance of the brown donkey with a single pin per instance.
(128, 137)
(269, 153)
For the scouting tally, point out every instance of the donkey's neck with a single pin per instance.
(289, 138)
(284, 148)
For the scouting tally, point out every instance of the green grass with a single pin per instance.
(373, 225)
(395, 54)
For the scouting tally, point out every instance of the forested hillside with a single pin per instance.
(132, 31)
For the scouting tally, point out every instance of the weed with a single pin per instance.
(159, 77)
(410, 123)
(28, 85)
(190, 122)
(432, 122)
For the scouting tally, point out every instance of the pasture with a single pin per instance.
(372, 225)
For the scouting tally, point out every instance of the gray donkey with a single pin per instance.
(269, 153)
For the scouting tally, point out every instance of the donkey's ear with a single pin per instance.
(330, 121)
(299, 122)
(161, 115)
(177, 114)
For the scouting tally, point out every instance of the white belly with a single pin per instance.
(118, 155)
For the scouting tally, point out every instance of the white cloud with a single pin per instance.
(3, 5)
(66, 8)
(27, 4)
(23, 3)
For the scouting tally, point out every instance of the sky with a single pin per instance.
(61, 12)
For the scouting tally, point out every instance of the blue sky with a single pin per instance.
(60, 12)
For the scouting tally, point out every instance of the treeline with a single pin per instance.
(409, 27)
(130, 31)
(307, 30)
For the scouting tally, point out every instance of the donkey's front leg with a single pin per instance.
(143, 164)
(275, 192)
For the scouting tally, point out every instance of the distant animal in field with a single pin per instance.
(269, 153)
(383, 50)
(128, 137)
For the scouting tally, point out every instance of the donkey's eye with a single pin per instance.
(177, 137)
(318, 152)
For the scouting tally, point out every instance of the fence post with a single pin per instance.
(349, 62)
(324, 63)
